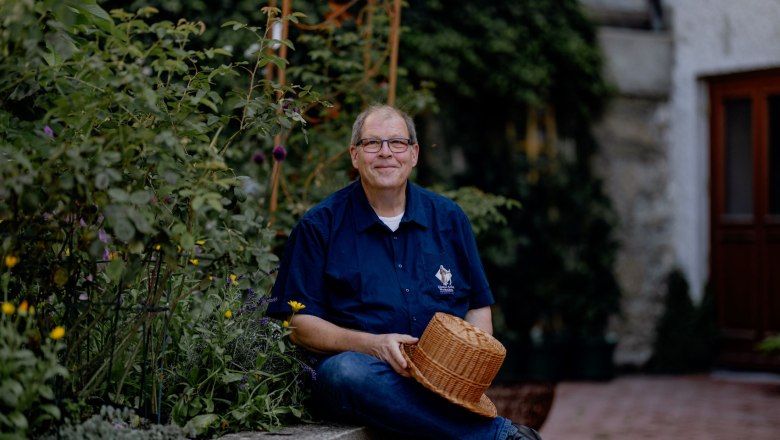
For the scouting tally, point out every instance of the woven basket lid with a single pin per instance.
(457, 361)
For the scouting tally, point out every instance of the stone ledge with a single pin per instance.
(308, 432)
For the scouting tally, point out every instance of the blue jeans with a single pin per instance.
(356, 388)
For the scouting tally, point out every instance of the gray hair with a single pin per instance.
(387, 110)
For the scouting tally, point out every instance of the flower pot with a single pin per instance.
(591, 359)
(528, 403)
(545, 360)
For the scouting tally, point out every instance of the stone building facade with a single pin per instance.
(656, 139)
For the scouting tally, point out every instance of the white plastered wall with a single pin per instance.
(711, 37)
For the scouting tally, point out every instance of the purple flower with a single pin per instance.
(48, 131)
(258, 157)
(279, 153)
(102, 236)
(310, 371)
(83, 297)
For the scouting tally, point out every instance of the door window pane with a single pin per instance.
(739, 156)
(774, 154)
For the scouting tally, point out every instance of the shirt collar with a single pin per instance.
(365, 216)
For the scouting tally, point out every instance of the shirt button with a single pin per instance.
(400, 266)
(395, 237)
(406, 290)
(414, 318)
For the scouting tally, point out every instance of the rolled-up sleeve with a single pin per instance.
(301, 271)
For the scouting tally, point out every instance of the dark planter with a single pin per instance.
(545, 360)
(592, 359)
(528, 403)
(517, 397)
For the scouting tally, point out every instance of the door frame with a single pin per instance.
(738, 344)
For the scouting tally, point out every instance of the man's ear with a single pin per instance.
(353, 152)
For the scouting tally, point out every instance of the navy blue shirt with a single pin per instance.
(349, 268)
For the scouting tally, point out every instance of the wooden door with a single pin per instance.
(745, 214)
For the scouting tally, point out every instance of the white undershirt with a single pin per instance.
(392, 222)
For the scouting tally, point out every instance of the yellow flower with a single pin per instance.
(296, 306)
(286, 324)
(11, 261)
(157, 247)
(194, 261)
(23, 308)
(8, 308)
(57, 333)
(228, 314)
(200, 242)
(67, 252)
(211, 277)
(32, 310)
(233, 279)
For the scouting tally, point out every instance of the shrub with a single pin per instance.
(687, 334)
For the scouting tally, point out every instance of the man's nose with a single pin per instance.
(385, 151)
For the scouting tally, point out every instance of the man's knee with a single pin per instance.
(346, 369)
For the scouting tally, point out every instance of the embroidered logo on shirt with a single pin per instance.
(445, 278)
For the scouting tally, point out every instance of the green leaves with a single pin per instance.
(201, 423)
(484, 210)
(26, 376)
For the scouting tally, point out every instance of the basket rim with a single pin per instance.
(484, 407)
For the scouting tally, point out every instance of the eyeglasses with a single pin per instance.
(373, 145)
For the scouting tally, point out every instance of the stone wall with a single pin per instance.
(634, 162)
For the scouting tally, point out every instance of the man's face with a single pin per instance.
(384, 169)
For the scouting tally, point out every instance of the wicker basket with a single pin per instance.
(458, 361)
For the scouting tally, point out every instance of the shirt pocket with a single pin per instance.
(343, 281)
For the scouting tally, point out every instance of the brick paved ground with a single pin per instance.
(699, 407)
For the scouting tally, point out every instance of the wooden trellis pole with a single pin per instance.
(281, 75)
(395, 34)
(282, 79)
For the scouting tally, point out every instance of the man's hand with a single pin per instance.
(321, 336)
(388, 348)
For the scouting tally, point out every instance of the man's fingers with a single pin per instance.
(390, 350)
(406, 339)
(400, 367)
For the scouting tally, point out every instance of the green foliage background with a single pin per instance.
(552, 266)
